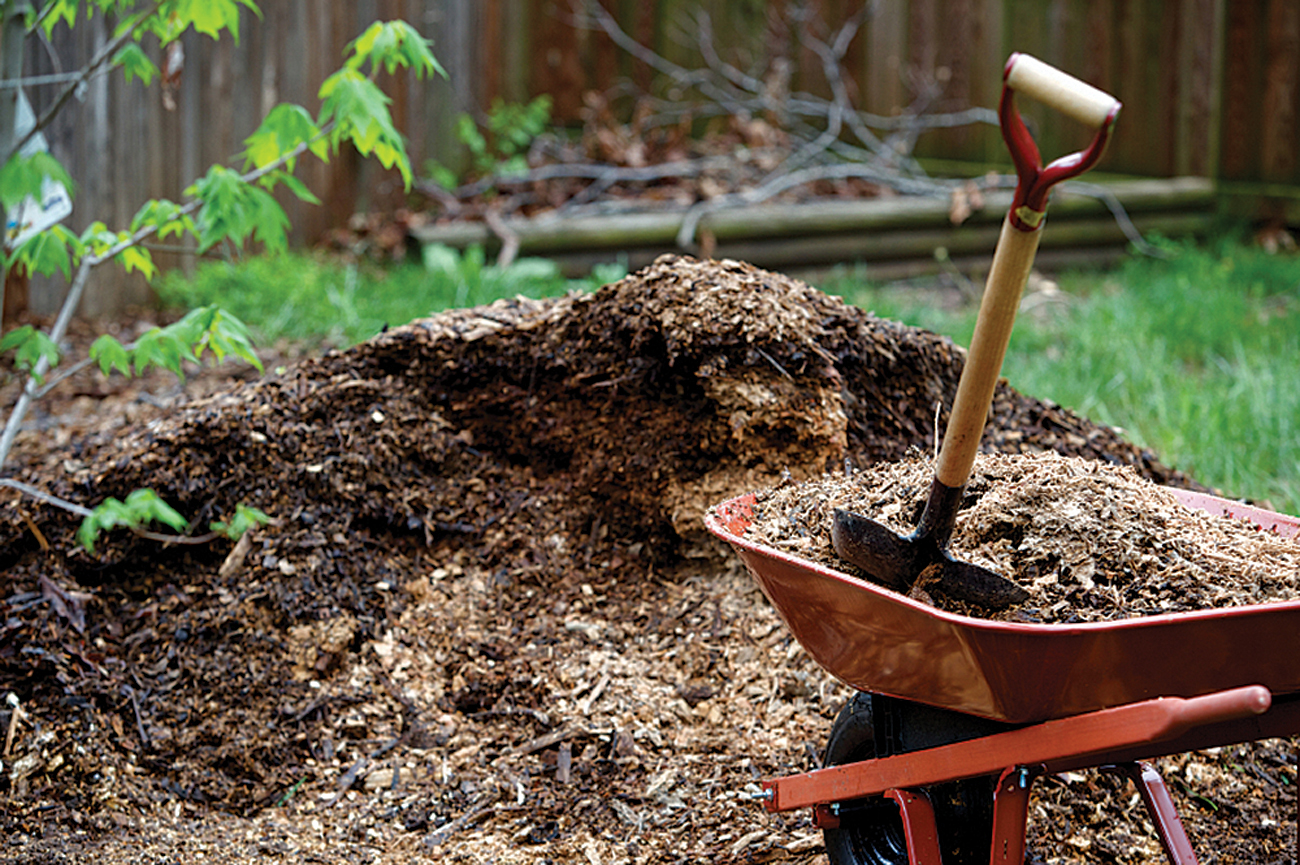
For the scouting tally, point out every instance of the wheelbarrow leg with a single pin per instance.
(1010, 814)
(1155, 795)
(919, 827)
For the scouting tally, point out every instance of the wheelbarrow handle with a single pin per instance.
(1056, 89)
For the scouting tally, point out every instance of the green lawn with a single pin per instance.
(1196, 356)
(317, 300)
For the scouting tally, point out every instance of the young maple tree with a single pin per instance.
(226, 204)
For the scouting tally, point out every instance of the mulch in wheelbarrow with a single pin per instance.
(1089, 542)
(486, 623)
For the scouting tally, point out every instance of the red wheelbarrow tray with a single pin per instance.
(877, 640)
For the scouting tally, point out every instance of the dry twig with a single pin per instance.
(821, 139)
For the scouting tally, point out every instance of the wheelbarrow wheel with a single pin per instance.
(871, 830)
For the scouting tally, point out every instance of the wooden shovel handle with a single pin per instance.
(1016, 246)
(1060, 90)
(1012, 262)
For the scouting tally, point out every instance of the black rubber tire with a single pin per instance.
(871, 831)
(872, 834)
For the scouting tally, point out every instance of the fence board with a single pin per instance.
(1210, 88)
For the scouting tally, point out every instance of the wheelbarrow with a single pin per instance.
(933, 760)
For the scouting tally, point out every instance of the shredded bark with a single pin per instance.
(485, 623)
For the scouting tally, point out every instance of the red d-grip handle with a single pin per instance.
(1070, 96)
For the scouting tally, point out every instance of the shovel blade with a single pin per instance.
(886, 557)
(895, 562)
(978, 585)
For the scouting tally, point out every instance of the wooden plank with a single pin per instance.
(1204, 89)
(885, 60)
(1278, 140)
(979, 240)
(890, 219)
(1241, 86)
(1094, 244)
(555, 61)
(1172, 74)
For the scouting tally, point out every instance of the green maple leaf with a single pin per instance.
(360, 112)
(135, 64)
(29, 345)
(140, 508)
(163, 216)
(24, 176)
(56, 248)
(110, 355)
(236, 209)
(284, 128)
(391, 44)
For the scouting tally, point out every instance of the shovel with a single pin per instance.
(897, 562)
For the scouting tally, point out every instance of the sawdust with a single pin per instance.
(1089, 542)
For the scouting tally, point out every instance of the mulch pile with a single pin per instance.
(486, 623)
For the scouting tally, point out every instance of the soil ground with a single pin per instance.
(485, 623)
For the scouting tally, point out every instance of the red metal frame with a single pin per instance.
(1011, 814)
(919, 827)
(1106, 738)
(1160, 805)
(1080, 740)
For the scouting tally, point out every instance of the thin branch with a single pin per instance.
(82, 511)
(704, 26)
(584, 17)
(91, 260)
(87, 73)
(911, 186)
(608, 174)
(832, 58)
(178, 539)
(63, 375)
(1116, 208)
(46, 9)
(41, 495)
(509, 240)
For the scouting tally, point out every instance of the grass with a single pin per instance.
(313, 299)
(1196, 356)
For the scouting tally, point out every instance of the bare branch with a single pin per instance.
(710, 54)
(878, 150)
(509, 240)
(78, 287)
(41, 495)
(1116, 208)
(911, 186)
(89, 71)
(608, 174)
(591, 12)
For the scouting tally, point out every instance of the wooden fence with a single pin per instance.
(1210, 87)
